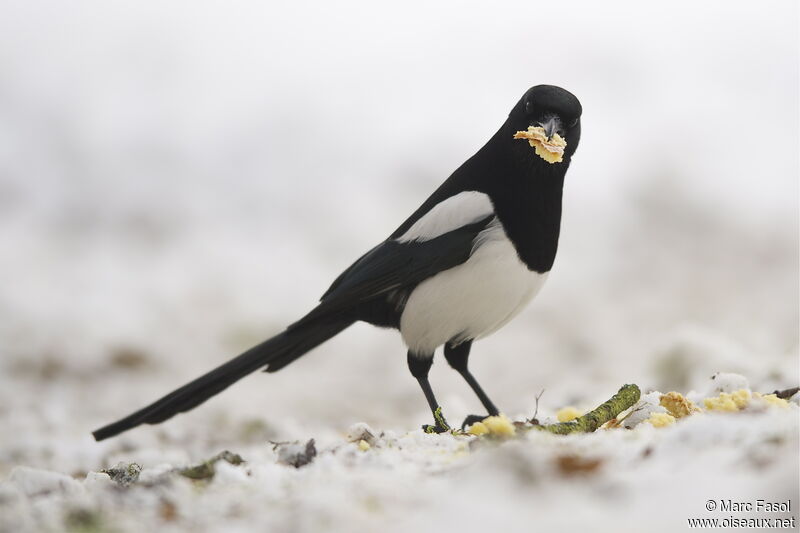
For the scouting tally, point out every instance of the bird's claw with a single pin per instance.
(441, 425)
(430, 428)
(471, 419)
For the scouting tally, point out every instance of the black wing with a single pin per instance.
(394, 266)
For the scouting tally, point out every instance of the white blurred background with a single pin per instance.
(180, 180)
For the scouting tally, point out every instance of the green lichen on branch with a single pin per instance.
(624, 399)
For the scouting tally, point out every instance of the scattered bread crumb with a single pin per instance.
(478, 429)
(500, 426)
(723, 402)
(741, 397)
(660, 420)
(678, 405)
(363, 445)
(771, 399)
(551, 150)
(729, 402)
(567, 414)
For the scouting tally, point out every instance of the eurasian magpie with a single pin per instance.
(460, 267)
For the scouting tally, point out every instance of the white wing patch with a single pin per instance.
(460, 210)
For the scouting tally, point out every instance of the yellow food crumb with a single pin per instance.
(677, 404)
(478, 429)
(567, 414)
(772, 399)
(729, 402)
(500, 426)
(741, 398)
(723, 402)
(660, 420)
(551, 150)
(363, 445)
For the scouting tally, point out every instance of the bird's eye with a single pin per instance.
(528, 107)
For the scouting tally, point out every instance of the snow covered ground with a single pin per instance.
(650, 478)
(163, 206)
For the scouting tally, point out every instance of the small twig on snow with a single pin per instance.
(624, 399)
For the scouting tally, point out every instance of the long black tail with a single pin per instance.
(275, 353)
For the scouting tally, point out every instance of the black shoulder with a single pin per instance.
(459, 181)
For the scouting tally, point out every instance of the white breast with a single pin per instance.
(471, 300)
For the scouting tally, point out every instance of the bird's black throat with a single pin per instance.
(525, 190)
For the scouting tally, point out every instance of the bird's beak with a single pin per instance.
(551, 125)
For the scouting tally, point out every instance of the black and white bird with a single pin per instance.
(460, 267)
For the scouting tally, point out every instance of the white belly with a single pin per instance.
(471, 300)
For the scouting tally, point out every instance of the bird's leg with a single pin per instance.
(419, 366)
(457, 355)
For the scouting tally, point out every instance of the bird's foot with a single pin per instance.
(471, 419)
(441, 425)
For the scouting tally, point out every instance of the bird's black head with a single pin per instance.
(554, 109)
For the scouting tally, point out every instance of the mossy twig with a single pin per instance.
(627, 396)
